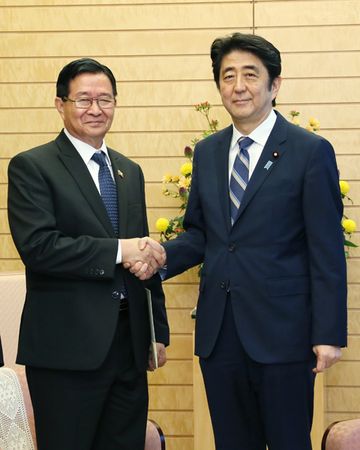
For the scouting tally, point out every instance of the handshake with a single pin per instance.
(142, 256)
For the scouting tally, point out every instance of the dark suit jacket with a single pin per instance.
(65, 239)
(1, 355)
(282, 261)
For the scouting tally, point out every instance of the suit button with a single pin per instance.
(231, 247)
(115, 295)
(101, 272)
(223, 285)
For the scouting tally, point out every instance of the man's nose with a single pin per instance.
(95, 108)
(240, 83)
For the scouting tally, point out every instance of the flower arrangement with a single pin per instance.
(349, 225)
(312, 125)
(178, 186)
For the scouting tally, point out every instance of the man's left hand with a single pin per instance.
(161, 354)
(326, 356)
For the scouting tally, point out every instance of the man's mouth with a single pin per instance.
(241, 101)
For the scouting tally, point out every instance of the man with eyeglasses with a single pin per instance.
(76, 212)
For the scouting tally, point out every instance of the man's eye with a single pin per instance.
(83, 101)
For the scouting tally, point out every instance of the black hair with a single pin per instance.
(260, 47)
(77, 67)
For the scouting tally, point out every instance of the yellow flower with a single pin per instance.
(314, 123)
(184, 182)
(295, 121)
(167, 178)
(166, 192)
(186, 168)
(162, 224)
(344, 187)
(349, 225)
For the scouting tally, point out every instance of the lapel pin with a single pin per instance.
(275, 154)
(120, 173)
(268, 165)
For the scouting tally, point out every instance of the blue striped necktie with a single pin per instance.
(239, 176)
(108, 189)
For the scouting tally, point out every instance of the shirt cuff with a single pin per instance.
(119, 253)
(162, 272)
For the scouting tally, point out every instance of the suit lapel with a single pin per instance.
(75, 165)
(121, 181)
(222, 168)
(270, 157)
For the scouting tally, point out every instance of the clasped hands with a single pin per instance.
(142, 256)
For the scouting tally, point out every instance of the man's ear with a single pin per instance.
(59, 105)
(275, 87)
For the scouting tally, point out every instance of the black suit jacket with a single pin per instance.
(64, 236)
(1, 355)
(283, 260)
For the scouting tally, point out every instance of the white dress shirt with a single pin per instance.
(86, 152)
(260, 136)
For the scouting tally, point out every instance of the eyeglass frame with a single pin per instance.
(91, 99)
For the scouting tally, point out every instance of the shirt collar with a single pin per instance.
(85, 150)
(260, 134)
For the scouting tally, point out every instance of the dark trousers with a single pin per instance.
(104, 409)
(252, 404)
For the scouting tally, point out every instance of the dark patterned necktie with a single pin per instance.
(239, 176)
(107, 189)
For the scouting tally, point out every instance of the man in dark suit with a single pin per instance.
(264, 217)
(76, 210)
(1, 355)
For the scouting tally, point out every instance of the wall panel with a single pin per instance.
(158, 51)
(317, 64)
(331, 38)
(140, 143)
(126, 17)
(126, 68)
(306, 13)
(33, 3)
(108, 43)
(181, 346)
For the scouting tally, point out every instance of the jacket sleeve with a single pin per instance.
(161, 325)
(188, 249)
(323, 209)
(41, 245)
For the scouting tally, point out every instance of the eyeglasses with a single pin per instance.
(85, 102)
